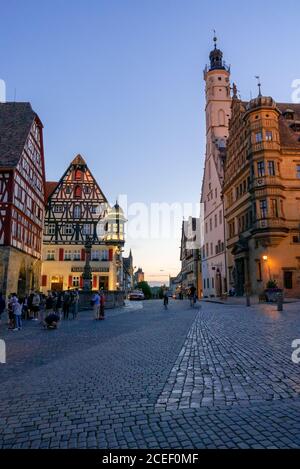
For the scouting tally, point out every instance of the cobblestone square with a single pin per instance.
(218, 376)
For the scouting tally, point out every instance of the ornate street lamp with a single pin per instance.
(87, 270)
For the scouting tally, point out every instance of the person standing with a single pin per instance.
(2, 305)
(66, 305)
(10, 312)
(17, 309)
(59, 304)
(75, 304)
(96, 305)
(102, 306)
(36, 305)
(49, 304)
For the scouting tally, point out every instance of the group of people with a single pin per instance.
(48, 309)
(192, 295)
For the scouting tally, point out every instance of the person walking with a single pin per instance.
(166, 300)
(192, 295)
(17, 309)
(2, 306)
(96, 305)
(102, 306)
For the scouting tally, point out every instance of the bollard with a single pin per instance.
(279, 302)
(248, 303)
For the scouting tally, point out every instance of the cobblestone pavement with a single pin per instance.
(221, 377)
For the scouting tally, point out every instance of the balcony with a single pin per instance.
(259, 182)
(265, 145)
(271, 223)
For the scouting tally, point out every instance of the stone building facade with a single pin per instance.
(218, 108)
(22, 185)
(262, 196)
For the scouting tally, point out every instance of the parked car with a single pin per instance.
(136, 295)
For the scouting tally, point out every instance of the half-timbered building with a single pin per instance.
(22, 182)
(77, 211)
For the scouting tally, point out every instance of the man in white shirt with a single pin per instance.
(96, 305)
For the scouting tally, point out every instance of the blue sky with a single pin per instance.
(120, 81)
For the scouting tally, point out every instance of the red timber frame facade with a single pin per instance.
(22, 208)
(77, 209)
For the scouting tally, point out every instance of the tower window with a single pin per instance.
(258, 137)
(261, 168)
(271, 168)
(298, 171)
(269, 135)
(263, 208)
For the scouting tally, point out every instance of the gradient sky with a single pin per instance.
(121, 82)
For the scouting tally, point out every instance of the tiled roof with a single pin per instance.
(50, 186)
(15, 123)
(288, 137)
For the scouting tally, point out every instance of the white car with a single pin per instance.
(136, 295)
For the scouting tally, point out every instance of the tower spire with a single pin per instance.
(215, 39)
(259, 85)
(216, 56)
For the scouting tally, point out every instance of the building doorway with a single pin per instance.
(288, 279)
(103, 283)
(218, 283)
(240, 277)
(57, 283)
(22, 282)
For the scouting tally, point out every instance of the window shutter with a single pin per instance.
(95, 281)
(111, 255)
(81, 282)
(70, 281)
(44, 280)
(83, 254)
(61, 254)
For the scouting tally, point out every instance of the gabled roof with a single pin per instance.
(16, 120)
(50, 187)
(79, 160)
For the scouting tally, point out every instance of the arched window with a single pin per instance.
(221, 117)
(77, 191)
(78, 175)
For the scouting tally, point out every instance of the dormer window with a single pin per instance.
(295, 126)
(288, 114)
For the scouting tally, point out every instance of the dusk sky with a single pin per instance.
(121, 82)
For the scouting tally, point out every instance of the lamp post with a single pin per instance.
(87, 270)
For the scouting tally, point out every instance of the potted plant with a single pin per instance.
(272, 290)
